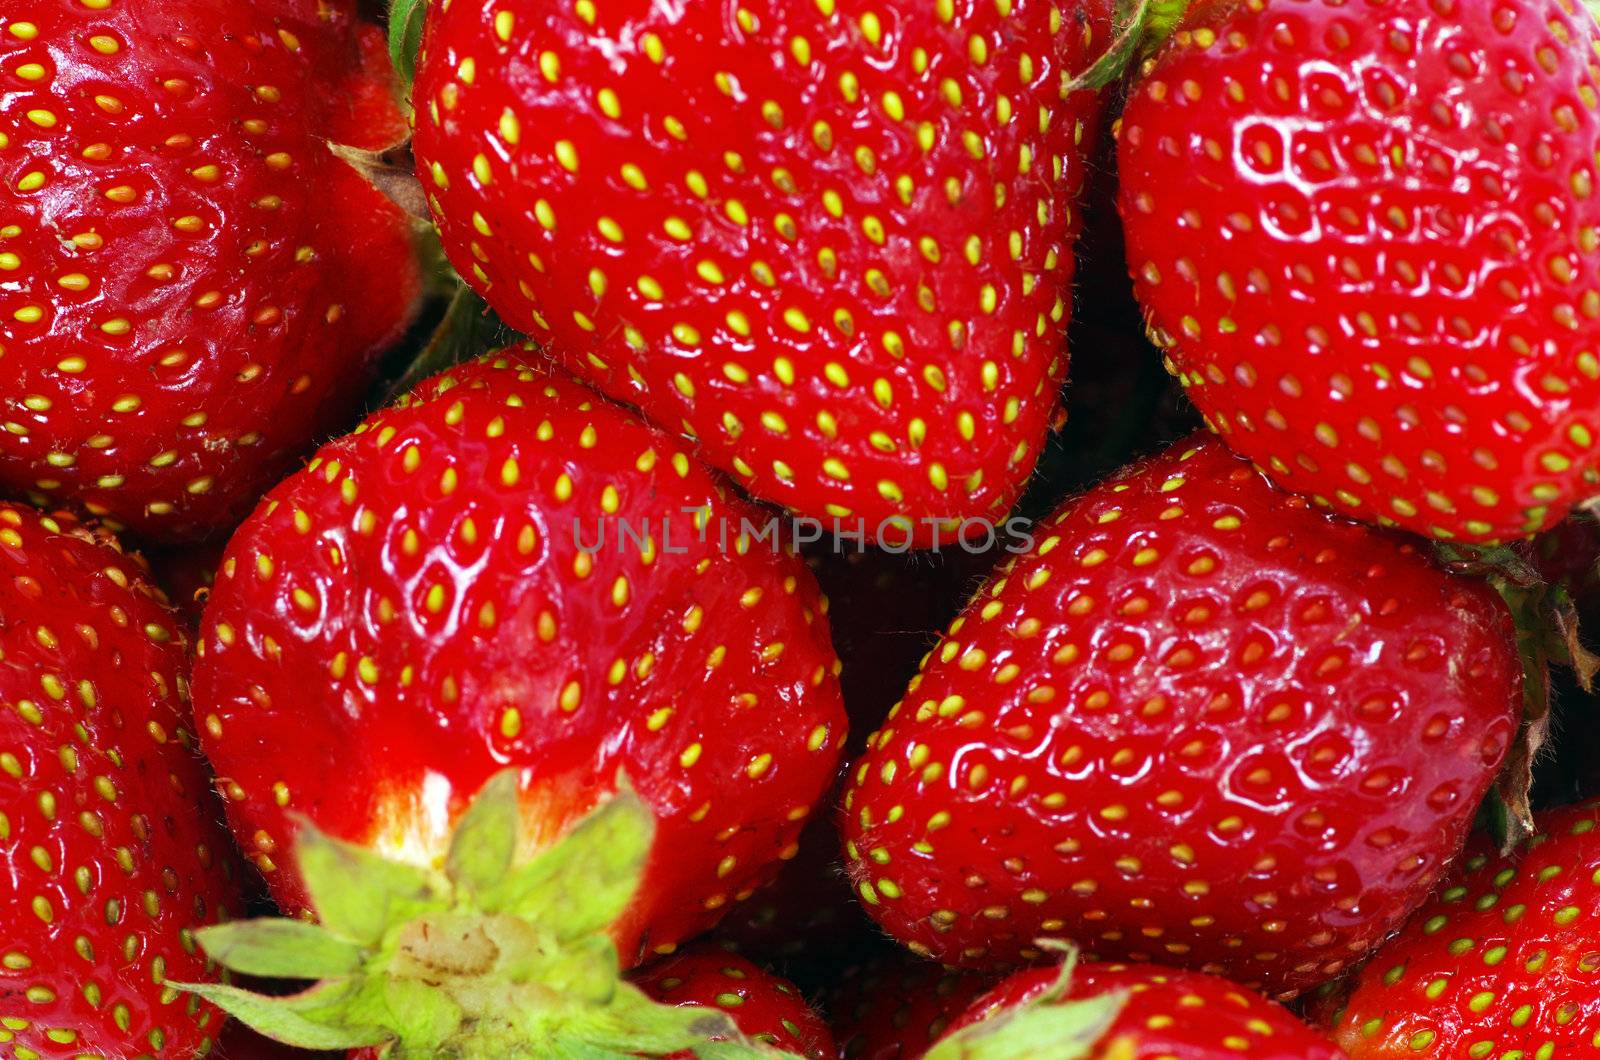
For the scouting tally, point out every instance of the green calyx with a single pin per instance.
(1140, 27)
(490, 959)
(405, 38)
(1048, 1027)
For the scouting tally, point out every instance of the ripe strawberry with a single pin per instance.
(833, 242)
(897, 1006)
(111, 851)
(1375, 278)
(503, 570)
(1501, 963)
(1201, 723)
(767, 1009)
(192, 286)
(1164, 1014)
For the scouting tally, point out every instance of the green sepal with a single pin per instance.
(1139, 28)
(1047, 1027)
(357, 894)
(423, 1016)
(488, 960)
(280, 948)
(485, 840)
(406, 18)
(319, 1018)
(607, 850)
(467, 329)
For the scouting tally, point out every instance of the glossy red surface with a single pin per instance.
(1169, 1014)
(111, 847)
(1375, 273)
(413, 612)
(831, 241)
(1501, 962)
(765, 1008)
(1200, 723)
(193, 288)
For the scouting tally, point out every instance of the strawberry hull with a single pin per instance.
(834, 244)
(414, 612)
(1200, 723)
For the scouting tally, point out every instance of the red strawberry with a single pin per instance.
(192, 286)
(1375, 274)
(1501, 963)
(504, 570)
(1201, 723)
(767, 1009)
(896, 1007)
(1164, 1014)
(833, 242)
(109, 840)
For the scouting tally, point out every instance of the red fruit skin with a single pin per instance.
(854, 324)
(1373, 278)
(897, 1007)
(198, 289)
(1200, 723)
(412, 613)
(1169, 1014)
(1511, 940)
(766, 1008)
(112, 845)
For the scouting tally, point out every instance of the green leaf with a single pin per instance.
(742, 1051)
(308, 1020)
(423, 1016)
(584, 882)
(1061, 1030)
(358, 894)
(485, 839)
(634, 1022)
(280, 948)
(405, 38)
(1129, 21)
(467, 329)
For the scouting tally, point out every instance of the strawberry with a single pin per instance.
(111, 849)
(192, 286)
(768, 1009)
(1199, 722)
(504, 570)
(1500, 963)
(1163, 1014)
(833, 242)
(1374, 277)
(895, 1007)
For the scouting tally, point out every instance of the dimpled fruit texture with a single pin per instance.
(111, 843)
(192, 287)
(833, 241)
(1200, 723)
(1169, 1015)
(766, 1008)
(1502, 962)
(1376, 277)
(483, 577)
